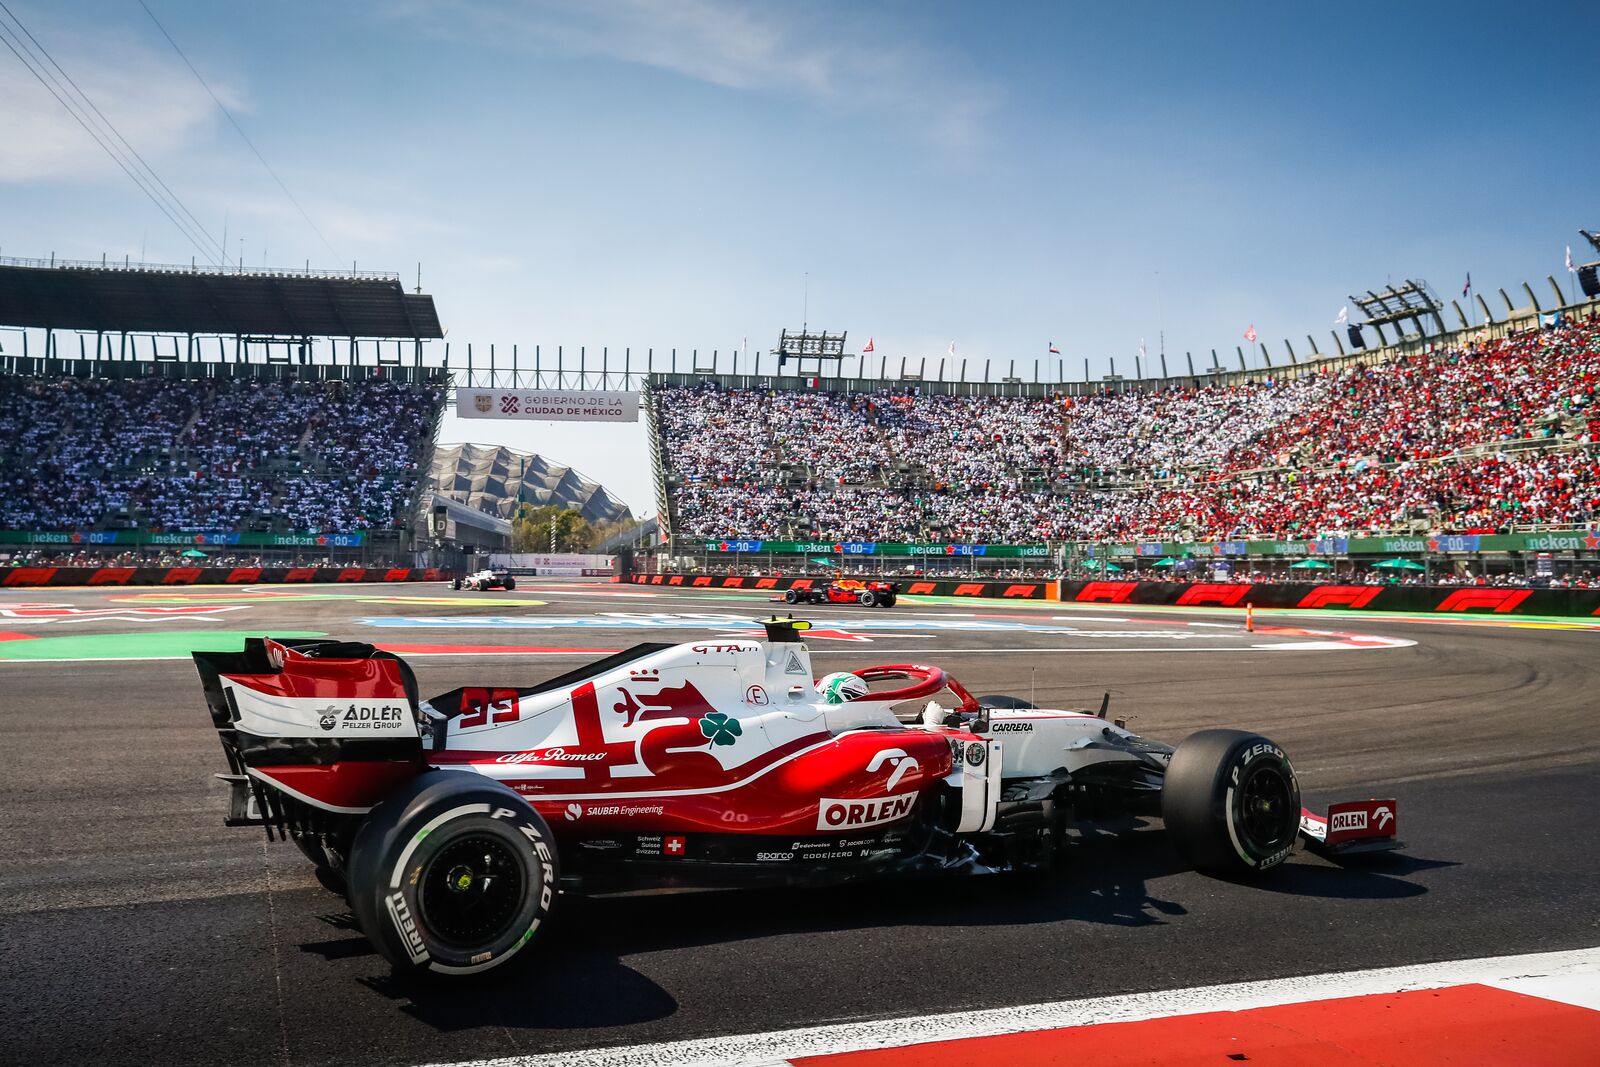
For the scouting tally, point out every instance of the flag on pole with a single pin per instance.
(867, 347)
(1570, 268)
(952, 348)
(1250, 334)
(1467, 288)
(1343, 317)
(1054, 351)
(1142, 352)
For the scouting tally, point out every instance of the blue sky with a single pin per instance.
(667, 174)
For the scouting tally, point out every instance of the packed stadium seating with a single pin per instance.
(1476, 438)
(217, 454)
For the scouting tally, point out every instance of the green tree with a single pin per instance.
(530, 530)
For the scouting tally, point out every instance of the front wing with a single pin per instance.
(1352, 827)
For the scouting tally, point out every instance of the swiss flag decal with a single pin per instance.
(672, 846)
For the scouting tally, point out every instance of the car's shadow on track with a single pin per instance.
(1099, 881)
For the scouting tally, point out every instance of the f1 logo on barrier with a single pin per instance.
(1499, 601)
(1227, 596)
(1109, 592)
(1339, 596)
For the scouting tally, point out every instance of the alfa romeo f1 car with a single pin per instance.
(485, 580)
(454, 822)
(845, 591)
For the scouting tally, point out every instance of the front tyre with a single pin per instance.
(511, 583)
(452, 874)
(1231, 802)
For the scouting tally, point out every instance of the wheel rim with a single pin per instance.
(1266, 809)
(471, 890)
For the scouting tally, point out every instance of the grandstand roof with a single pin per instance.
(154, 299)
(494, 479)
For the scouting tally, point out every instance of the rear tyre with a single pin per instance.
(791, 596)
(887, 600)
(452, 874)
(1231, 802)
(868, 598)
(511, 583)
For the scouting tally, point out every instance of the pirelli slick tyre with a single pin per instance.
(1231, 802)
(511, 583)
(868, 598)
(887, 601)
(455, 583)
(452, 874)
(791, 596)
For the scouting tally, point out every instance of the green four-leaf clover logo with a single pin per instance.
(720, 729)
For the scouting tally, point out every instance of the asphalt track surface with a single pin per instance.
(135, 927)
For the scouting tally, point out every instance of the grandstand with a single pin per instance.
(238, 426)
(1470, 434)
(161, 439)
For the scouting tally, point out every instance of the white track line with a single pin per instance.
(1550, 974)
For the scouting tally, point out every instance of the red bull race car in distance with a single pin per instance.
(869, 594)
(454, 822)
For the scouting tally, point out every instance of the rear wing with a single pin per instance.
(311, 728)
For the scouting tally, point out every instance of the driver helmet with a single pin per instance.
(840, 687)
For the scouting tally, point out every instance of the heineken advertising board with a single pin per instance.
(872, 548)
(200, 538)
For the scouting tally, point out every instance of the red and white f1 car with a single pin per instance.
(455, 821)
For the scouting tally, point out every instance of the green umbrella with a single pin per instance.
(1400, 565)
(825, 562)
(1168, 561)
(1100, 565)
(1311, 565)
(192, 553)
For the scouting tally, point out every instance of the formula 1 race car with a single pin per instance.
(845, 591)
(485, 580)
(453, 822)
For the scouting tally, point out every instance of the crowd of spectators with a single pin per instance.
(218, 454)
(1466, 439)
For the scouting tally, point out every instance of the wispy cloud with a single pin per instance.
(843, 62)
(151, 99)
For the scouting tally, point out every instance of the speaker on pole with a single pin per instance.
(1355, 337)
(1589, 279)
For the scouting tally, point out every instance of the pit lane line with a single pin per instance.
(1571, 977)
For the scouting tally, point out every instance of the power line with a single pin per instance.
(84, 99)
(79, 106)
(7, 37)
(27, 60)
(239, 129)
